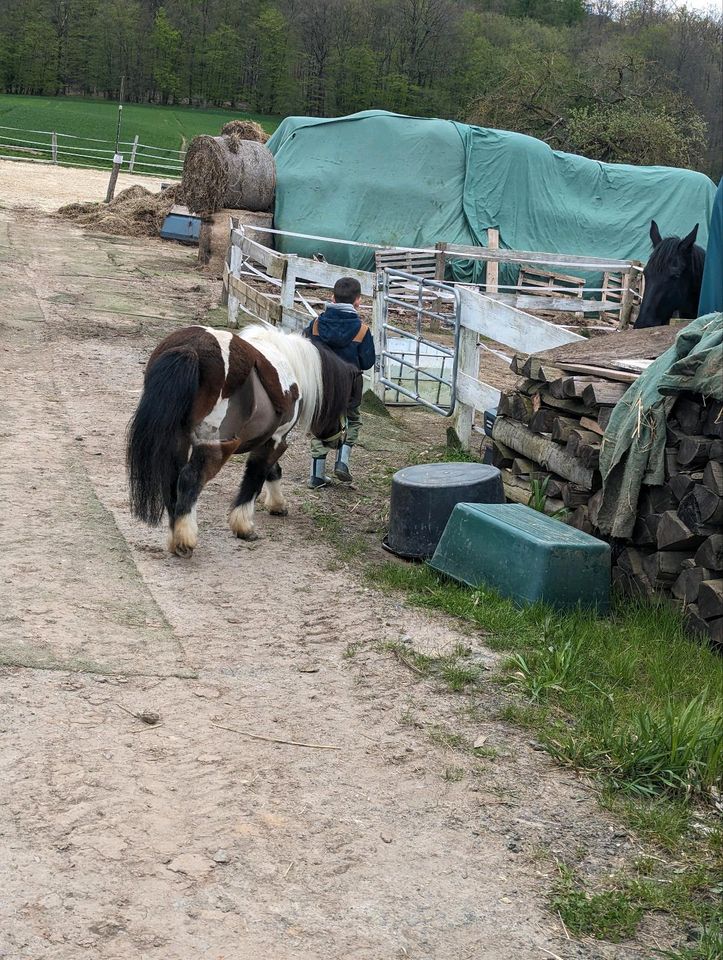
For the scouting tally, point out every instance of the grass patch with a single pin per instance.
(455, 669)
(166, 128)
(349, 546)
(630, 699)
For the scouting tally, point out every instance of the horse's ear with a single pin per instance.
(655, 233)
(687, 242)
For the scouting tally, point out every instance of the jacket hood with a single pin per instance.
(339, 324)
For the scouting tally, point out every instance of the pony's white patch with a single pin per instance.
(241, 519)
(274, 497)
(184, 532)
(224, 341)
(296, 360)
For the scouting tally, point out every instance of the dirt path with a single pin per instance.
(187, 840)
(47, 187)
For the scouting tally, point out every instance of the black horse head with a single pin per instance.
(673, 276)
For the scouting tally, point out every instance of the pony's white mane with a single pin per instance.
(303, 362)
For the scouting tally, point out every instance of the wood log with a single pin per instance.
(699, 507)
(710, 553)
(554, 486)
(674, 534)
(671, 461)
(578, 436)
(574, 496)
(689, 413)
(713, 477)
(664, 566)
(715, 631)
(545, 452)
(542, 421)
(687, 584)
(713, 423)
(538, 369)
(580, 520)
(603, 416)
(630, 584)
(572, 387)
(515, 405)
(710, 599)
(680, 485)
(562, 427)
(643, 536)
(520, 491)
(502, 457)
(517, 363)
(572, 407)
(697, 451)
(587, 423)
(655, 500)
(694, 622)
(631, 560)
(602, 393)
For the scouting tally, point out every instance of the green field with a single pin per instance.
(166, 129)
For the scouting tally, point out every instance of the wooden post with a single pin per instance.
(288, 290)
(233, 302)
(626, 301)
(134, 149)
(117, 161)
(54, 146)
(467, 364)
(492, 273)
(440, 261)
(377, 335)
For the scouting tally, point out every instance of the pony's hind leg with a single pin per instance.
(205, 462)
(259, 465)
(275, 501)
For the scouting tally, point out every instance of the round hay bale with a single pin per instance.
(245, 130)
(228, 172)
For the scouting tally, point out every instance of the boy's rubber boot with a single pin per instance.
(318, 473)
(341, 467)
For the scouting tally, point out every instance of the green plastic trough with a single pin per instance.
(524, 555)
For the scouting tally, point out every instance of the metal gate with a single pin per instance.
(415, 366)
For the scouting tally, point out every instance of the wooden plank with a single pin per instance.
(258, 252)
(543, 451)
(554, 303)
(646, 344)
(596, 264)
(467, 393)
(326, 274)
(608, 373)
(603, 394)
(508, 326)
(475, 393)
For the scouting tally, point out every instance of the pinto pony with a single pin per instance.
(210, 393)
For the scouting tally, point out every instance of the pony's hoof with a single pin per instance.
(279, 512)
(183, 551)
(248, 537)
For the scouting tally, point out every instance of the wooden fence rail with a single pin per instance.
(500, 317)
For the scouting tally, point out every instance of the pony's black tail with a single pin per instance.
(159, 432)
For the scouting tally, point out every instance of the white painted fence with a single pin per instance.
(486, 315)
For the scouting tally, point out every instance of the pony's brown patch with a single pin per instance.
(211, 369)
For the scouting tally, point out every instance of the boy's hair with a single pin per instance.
(347, 290)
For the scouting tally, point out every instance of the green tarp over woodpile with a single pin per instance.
(382, 178)
(633, 448)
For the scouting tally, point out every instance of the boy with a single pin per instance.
(341, 330)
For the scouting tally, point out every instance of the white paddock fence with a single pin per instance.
(50, 146)
(473, 316)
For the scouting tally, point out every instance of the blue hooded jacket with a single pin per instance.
(339, 328)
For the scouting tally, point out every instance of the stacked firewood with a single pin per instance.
(677, 542)
(547, 437)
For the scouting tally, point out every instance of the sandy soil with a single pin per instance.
(46, 187)
(199, 837)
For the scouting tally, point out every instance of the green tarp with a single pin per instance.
(633, 449)
(711, 293)
(382, 178)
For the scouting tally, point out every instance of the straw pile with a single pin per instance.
(135, 212)
(228, 172)
(245, 130)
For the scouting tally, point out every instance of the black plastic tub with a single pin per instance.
(423, 498)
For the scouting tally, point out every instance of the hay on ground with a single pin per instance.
(135, 212)
(245, 130)
(228, 172)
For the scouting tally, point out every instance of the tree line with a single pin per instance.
(635, 81)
